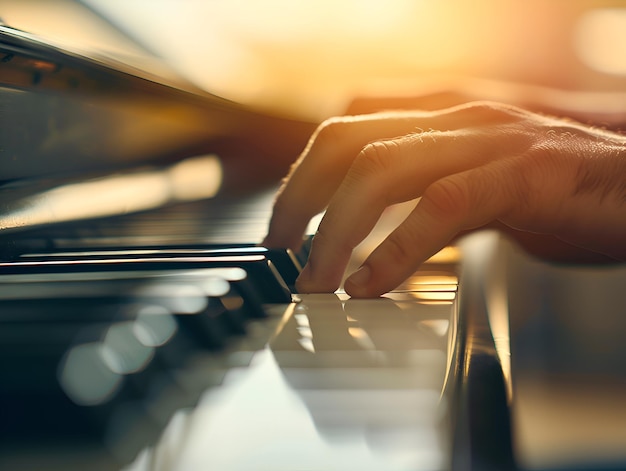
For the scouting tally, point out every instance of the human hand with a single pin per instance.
(472, 165)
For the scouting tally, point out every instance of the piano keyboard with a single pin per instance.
(127, 350)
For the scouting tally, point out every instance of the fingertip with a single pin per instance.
(356, 284)
(274, 241)
(307, 283)
(284, 236)
(361, 284)
(303, 280)
(267, 241)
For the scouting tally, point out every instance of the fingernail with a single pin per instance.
(360, 277)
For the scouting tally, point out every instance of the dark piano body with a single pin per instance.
(141, 326)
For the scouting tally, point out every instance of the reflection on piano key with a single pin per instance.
(331, 391)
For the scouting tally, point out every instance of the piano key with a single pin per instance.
(96, 296)
(287, 264)
(36, 348)
(179, 394)
(71, 390)
(329, 408)
(390, 336)
(96, 384)
(285, 261)
(57, 320)
(206, 320)
(270, 285)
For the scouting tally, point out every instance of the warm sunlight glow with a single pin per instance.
(308, 54)
(312, 57)
(449, 254)
(601, 40)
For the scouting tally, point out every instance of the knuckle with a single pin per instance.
(330, 130)
(493, 112)
(376, 157)
(545, 162)
(535, 174)
(485, 106)
(322, 240)
(449, 196)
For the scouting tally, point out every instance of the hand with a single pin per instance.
(472, 165)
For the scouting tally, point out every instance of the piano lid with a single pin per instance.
(66, 110)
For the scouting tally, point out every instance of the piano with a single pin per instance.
(143, 327)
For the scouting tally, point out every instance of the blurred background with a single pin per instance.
(310, 58)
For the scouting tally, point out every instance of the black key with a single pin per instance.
(77, 372)
(70, 391)
(261, 271)
(198, 309)
(284, 260)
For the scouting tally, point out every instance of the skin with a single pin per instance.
(480, 164)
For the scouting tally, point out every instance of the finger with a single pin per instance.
(337, 236)
(453, 204)
(385, 173)
(354, 210)
(333, 148)
(321, 168)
